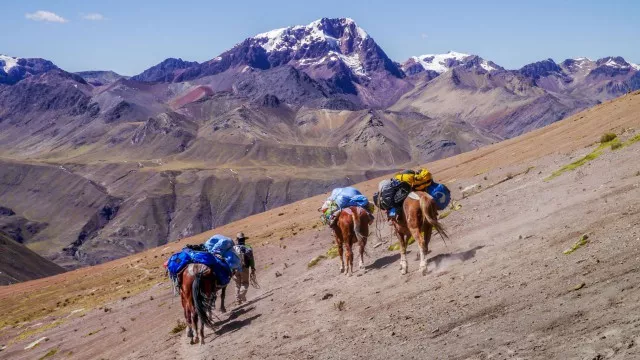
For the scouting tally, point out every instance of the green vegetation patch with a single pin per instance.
(315, 261)
(332, 252)
(607, 137)
(580, 243)
(585, 159)
(34, 331)
(455, 206)
(49, 354)
(180, 326)
(396, 246)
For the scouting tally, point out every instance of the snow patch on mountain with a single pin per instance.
(439, 62)
(615, 64)
(353, 62)
(485, 65)
(635, 66)
(9, 62)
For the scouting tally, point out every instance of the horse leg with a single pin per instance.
(403, 252)
(403, 255)
(339, 245)
(428, 231)
(222, 295)
(362, 245)
(362, 242)
(201, 332)
(349, 256)
(417, 234)
(194, 321)
(186, 307)
(187, 315)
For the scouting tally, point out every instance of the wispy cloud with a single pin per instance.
(424, 36)
(43, 15)
(93, 17)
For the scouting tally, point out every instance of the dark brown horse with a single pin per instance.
(198, 287)
(351, 226)
(418, 218)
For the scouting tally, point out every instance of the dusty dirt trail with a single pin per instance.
(501, 287)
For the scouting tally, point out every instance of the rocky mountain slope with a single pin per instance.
(18, 263)
(125, 164)
(100, 78)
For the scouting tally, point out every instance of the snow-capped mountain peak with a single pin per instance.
(9, 62)
(322, 43)
(331, 31)
(614, 62)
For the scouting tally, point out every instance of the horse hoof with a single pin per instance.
(223, 310)
(403, 272)
(424, 271)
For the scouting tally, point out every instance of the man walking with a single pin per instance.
(242, 278)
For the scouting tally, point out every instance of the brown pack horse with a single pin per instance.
(418, 218)
(351, 226)
(198, 287)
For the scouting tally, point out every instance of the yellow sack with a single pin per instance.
(419, 180)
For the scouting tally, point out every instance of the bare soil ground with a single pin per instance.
(500, 288)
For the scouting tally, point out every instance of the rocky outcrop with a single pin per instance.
(167, 70)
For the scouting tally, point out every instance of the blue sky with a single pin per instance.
(130, 36)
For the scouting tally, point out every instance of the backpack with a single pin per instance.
(391, 194)
(440, 194)
(419, 180)
(246, 254)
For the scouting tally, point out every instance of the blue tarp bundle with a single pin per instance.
(178, 261)
(220, 244)
(348, 196)
(440, 194)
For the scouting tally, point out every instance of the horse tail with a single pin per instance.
(356, 227)
(202, 302)
(430, 213)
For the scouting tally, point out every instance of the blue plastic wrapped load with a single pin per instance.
(220, 244)
(440, 194)
(345, 191)
(178, 261)
(348, 196)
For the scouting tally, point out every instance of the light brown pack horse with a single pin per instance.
(351, 226)
(418, 218)
(198, 287)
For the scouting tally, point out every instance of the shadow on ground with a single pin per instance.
(436, 261)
